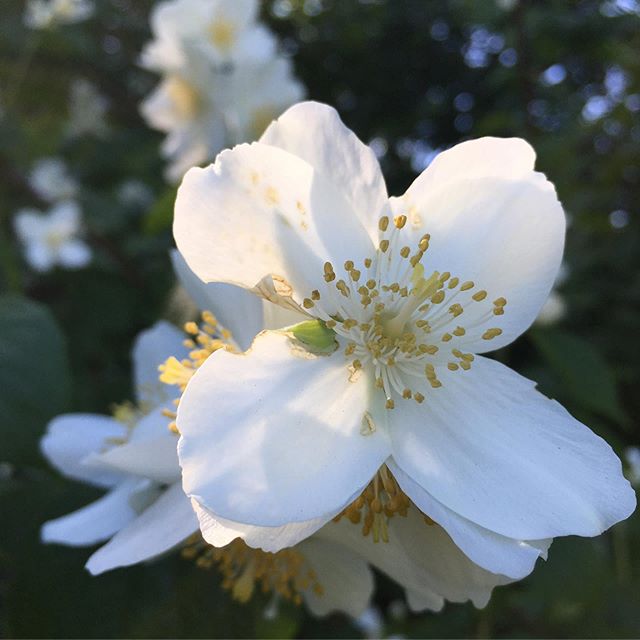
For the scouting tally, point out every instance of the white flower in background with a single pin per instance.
(183, 106)
(223, 32)
(87, 110)
(222, 81)
(554, 307)
(380, 399)
(133, 455)
(632, 458)
(51, 181)
(553, 310)
(135, 193)
(46, 14)
(257, 96)
(52, 238)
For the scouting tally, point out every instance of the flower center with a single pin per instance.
(285, 573)
(398, 322)
(222, 34)
(185, 97)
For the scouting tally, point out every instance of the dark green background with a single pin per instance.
(399, 72)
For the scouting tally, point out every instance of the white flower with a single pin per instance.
(429, 577)
(51, 181)
(222, 81)
(145, 511)
(409, 290)
(45, 14)
(223, 32)
(51, 238)
(87, 110)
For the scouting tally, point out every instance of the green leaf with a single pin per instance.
(34, 377)
(160, 215)
(584, 373)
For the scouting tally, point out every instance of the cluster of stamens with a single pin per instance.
(204, 339)
(398, 321)
(382, 499)
(285, 573)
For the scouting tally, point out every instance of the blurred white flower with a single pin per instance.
(370, 622)
(133, 455)
(87, 110)
(553, 310)
(52, 238)
(135, 193)
(222, 80)
(51, 181)
(45, 14)
(632, 458)
(224, 32)
(555, 307)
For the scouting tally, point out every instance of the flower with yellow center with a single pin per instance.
(328, 570)
(399, 298)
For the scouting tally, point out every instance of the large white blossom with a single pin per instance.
(222, 80)
(52, 238)
(45, 14)
(384, 382)
(423, 559)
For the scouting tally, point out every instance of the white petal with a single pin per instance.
(346, 580)
(260, 211)
(421, 558)
(154, 458)
(74, 254)
(99, 520)
(315, 132)
(29, 224)
(220, 532)
(493, 552)
(162, 526)
(273, 436)
(490, 447)
(70, 438)
(40, 256)
(492, 221)
(65, 217)
(152, 347)
(237, 309)
(424, 600)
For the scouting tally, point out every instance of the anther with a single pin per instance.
(465, 286)
(452, 366)
(400, 221)
(437, 297)
(406, 394)
(459, 331)
(489, 334)
(405, 251)
(390, 404)
(307, 303)
(383, 223)
(479, 296)
(418, 397)
(315, 295)
(348, 265)
(384, 245)
(453, 283)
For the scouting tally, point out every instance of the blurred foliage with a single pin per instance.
(410, 77)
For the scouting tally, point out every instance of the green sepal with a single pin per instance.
(314, 335)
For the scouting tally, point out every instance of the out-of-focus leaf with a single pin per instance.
(584, 373)
(34, 376)
(160, 215)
